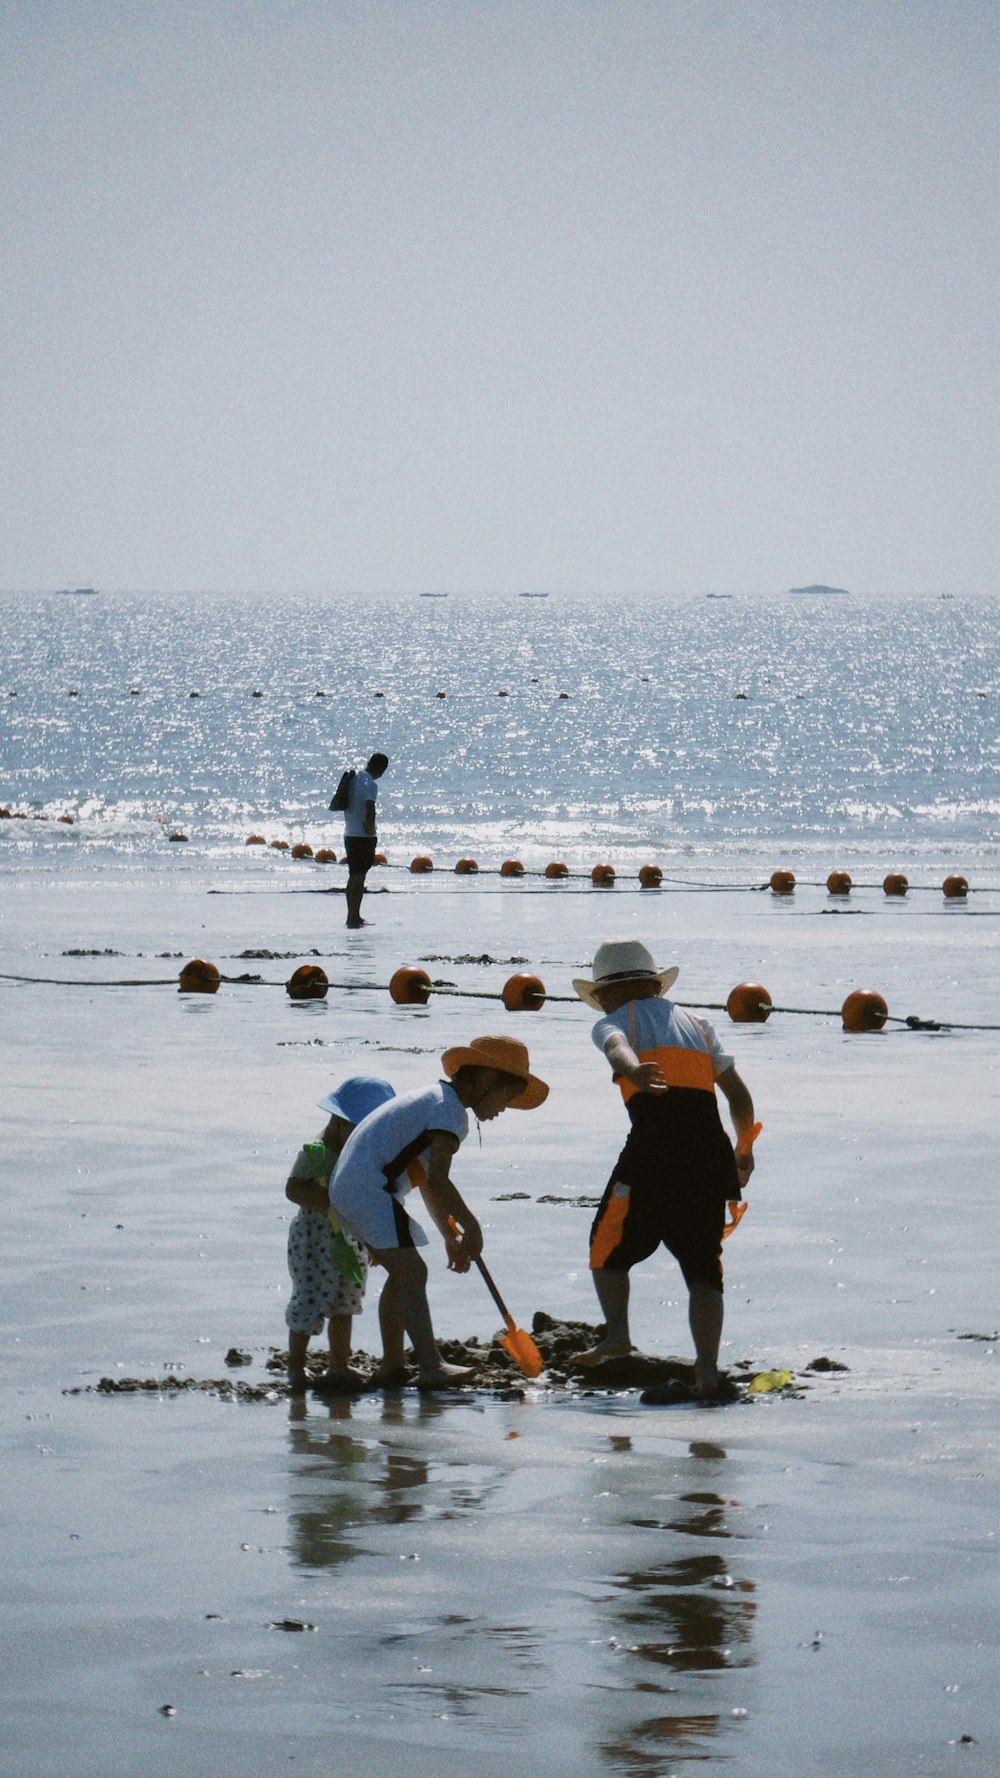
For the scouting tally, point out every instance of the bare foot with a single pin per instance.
(446, 1376)
(347, 1382)
(389, 1377)
(354, 924)
(602, 1353)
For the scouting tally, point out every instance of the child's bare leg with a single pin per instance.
(340, 1348)
(705, 1313)
(390, 1320)
(613, 1295)
(408, 1306)
(298, 1347)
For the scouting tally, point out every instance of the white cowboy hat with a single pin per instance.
(622, 960)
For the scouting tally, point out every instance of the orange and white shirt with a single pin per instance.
(685, 1049)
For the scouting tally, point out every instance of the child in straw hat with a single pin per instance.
(409, 1143)
(677, 1170)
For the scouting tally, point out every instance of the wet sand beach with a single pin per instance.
(548, 1576)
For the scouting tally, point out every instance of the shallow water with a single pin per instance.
(698, 726)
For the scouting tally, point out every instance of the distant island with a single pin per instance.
(66, 592)
(819, 589)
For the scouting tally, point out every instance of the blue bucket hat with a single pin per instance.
(356, 1097)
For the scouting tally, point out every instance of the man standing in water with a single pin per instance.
(359, 832)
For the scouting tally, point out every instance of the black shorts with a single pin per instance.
(670, 1185)
(360, 855)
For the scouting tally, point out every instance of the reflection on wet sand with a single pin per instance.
(685, 1615)
(495, 1611)
(371, 1480)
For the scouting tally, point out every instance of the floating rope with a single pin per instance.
(910, 1021)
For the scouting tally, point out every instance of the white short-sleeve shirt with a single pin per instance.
(364, 789)
(656, 1023)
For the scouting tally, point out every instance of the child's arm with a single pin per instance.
(741, 1110)
(624, 1061)
(309, 1194)
(447, 1206)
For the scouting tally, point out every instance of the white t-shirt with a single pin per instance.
(374, 1159)
(364, 789)
(656, 1023)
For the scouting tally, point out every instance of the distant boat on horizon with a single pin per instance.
(432, 595)
(532, 595)
(74, 592)
(821, 590)
(719, 595)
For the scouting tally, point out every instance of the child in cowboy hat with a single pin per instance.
(409, 1143)
(677, 1170)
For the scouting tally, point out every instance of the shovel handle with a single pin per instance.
(497, 1298)
(491, 1287)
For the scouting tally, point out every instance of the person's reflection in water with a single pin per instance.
(347, 1482)
(684, 1620)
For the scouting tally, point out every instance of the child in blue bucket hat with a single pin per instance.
(329, 1271)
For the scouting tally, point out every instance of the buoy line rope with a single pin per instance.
(910, 1021)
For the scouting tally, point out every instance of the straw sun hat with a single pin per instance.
(510, 1056)
(622, 960)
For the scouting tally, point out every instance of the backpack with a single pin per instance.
(338, 801)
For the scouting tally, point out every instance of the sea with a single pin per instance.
(711, 735)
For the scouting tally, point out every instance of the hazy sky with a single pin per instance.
(635, 295)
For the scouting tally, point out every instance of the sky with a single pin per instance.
(606, 297)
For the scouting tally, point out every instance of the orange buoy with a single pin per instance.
(555, 871)
(308, 982)
(839, 882)
(279, 845)
(512, 867)
(255, 839)
(603, 875)
(198, 977)
(503, 694)
(178, 836)
(895, 883)
(302, 849)
(420, 865)
(956, 888)
(864, 1010)
(466, 867)
(379, 858)
(191, 694)
(378, 694)
(68, 819)
(749, 1004)
(783, 882)
(441, 694)
(410, 987)
(564, 694)
(325, 855)
(650, 876)
(256, 694)
(523, 993)
(134, 692)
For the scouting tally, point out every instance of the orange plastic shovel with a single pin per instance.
(738, 1207)
(516, 1343)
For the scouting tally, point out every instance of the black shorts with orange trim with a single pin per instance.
(670, 1186)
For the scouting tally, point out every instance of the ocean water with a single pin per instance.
(704, 732)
